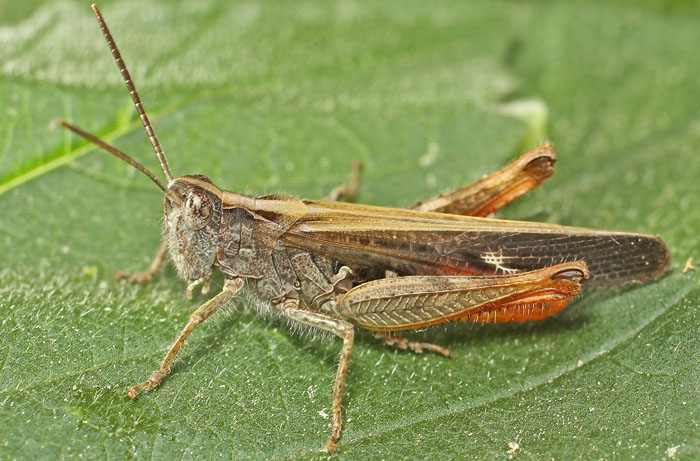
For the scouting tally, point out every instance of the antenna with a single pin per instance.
(134, 96)
(111, 149)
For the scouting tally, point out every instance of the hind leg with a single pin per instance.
(488, 194)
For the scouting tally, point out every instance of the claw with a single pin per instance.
(152, 382)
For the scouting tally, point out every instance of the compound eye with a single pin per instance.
(198, 209)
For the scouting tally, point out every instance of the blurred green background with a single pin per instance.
(280, 97)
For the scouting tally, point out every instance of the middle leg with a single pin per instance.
(345, 331)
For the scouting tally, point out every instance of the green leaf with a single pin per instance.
(280, 97)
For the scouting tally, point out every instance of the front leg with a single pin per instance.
(145, 276)
(345, 331)
(231, 287)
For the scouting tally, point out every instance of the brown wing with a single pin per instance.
(420, 243)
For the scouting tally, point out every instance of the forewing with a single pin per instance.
(418, 243)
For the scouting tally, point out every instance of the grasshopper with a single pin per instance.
(332, 266)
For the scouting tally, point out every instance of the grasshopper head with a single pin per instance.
(192, 217)
(192, 204)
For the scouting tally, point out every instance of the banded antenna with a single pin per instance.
(134, 95)
(111, 149)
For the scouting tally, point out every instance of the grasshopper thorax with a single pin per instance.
(192, 217)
